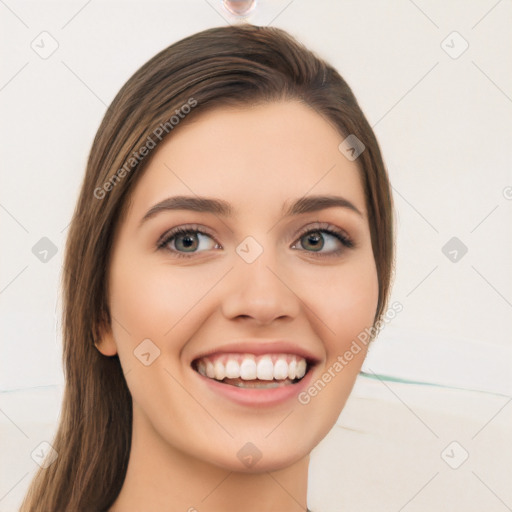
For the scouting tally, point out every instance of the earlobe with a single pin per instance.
(105, 342)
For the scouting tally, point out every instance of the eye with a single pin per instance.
(185, 239)
(315, 239)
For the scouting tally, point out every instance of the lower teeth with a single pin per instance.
(258, 384)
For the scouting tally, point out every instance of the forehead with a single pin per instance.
(253, 157)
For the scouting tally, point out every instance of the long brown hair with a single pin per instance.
(233, 65)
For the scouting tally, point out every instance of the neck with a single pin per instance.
(162, 478)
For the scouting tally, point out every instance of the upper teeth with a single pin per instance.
(250, 367)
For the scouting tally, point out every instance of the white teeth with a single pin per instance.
(301, 369)
(265, 368)
(292, 369)
(219, 370)
(210, 370)
(280, 369)
(248, 367)
(232, 369)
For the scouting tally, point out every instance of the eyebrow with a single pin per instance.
(222, 208)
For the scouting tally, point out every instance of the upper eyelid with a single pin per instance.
(185, 227)
(321, 226)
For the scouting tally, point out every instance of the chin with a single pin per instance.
(259, 455)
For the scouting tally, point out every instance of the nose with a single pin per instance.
(260, 291)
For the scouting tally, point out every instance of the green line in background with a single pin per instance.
(377, 376)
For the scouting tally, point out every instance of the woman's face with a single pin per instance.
(257, 289)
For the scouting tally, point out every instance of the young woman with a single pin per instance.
(232, 241)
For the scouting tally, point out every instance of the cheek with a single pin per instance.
(346, 301)
(353, 309)
(348, 305)
(137, 300)
(150, 300)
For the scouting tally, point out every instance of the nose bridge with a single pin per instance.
(259, 286)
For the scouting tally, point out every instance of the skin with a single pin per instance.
(185, 436)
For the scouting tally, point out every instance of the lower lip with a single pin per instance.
(258, 397)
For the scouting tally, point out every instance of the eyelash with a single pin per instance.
(346, 241)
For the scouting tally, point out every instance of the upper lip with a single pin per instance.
(259, 347)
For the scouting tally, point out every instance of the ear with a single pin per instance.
(104, 341)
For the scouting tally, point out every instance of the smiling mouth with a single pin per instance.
(251, 371)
